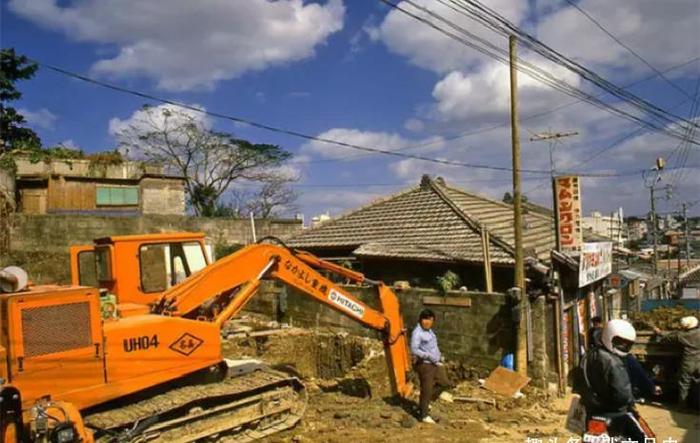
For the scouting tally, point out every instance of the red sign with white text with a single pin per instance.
(568, 200)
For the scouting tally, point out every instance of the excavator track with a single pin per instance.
(243, 408)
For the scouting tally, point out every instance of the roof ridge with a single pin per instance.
(475, 223)
(349, 212)
(490, 200)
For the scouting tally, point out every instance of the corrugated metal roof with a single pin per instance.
(432, 222)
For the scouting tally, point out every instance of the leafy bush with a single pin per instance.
(448, 282)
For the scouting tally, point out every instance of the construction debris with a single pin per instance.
(505, 382)
(489, 401)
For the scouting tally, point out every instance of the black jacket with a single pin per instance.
(594, 334)
(609, 387)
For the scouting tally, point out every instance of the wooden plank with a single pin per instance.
(447, 301)
(505, 382)
(490, 401)
(486, 252)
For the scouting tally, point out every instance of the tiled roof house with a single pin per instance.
(431, 227)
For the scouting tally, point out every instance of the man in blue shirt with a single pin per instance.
(426, 361)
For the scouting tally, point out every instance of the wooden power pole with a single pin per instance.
(521, 346)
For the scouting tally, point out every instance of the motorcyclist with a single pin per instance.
(608, 387)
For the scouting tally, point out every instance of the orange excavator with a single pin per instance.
(132, 349)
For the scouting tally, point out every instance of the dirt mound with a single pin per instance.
(350, 395)
(667, 319)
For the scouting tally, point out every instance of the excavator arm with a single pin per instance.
(221, 290)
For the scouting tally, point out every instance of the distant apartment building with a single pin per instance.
(80, 186)
(667, 223)
(611, 226)
(637, 228)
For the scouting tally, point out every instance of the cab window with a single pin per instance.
(163, 265)
(103, 264)
(87, 269)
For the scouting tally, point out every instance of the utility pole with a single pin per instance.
(687, 238)
(553, 138)
(650, 182)
(521, 350)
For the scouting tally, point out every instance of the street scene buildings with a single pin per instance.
(333, 221)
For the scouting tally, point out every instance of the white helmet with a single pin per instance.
(689, 322)
(618, 329)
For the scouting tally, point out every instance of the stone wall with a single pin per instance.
(7, 207)
(40, 243)
(57, 232)
(478, 335)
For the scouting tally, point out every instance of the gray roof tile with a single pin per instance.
(431, 222)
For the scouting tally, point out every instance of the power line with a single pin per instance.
(276, 129)
(298, 134)
(614, 144)
(686, 151)
(494, 21)
(665, 122)
(630, 50)
(506, 123)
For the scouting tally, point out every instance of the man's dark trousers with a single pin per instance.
(429, 374)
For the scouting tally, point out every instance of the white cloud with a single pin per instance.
(414, 125)
(70, 144)
(378, 140)
(485, 94)
(428, 48)
(41, 118)
(185, 45)
(336, 201)
(664, 33)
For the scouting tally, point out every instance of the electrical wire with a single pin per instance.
(298, 134)
(501, 125)
(616, 143)
(276, 129)
(626, 47)
(663, 121)
(493, 20)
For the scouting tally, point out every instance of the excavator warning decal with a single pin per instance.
(348, 305)
(186, 344)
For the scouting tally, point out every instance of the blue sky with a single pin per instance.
(360, 73)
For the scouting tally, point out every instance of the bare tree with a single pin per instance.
(210, 161)
(274, 195)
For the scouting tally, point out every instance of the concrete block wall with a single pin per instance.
(161, 196)
(478, 335)
(58, 232)
(39, 243)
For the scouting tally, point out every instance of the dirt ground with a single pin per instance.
(350, 401)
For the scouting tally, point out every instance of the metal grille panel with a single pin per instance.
(57, 328)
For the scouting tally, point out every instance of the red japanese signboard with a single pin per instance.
(568, 206)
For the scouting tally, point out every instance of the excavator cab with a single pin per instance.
(135, 270)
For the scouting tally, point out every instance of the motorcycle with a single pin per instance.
(600, 429)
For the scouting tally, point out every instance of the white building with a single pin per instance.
(637, 229)
(611, 226)
(318, 220)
